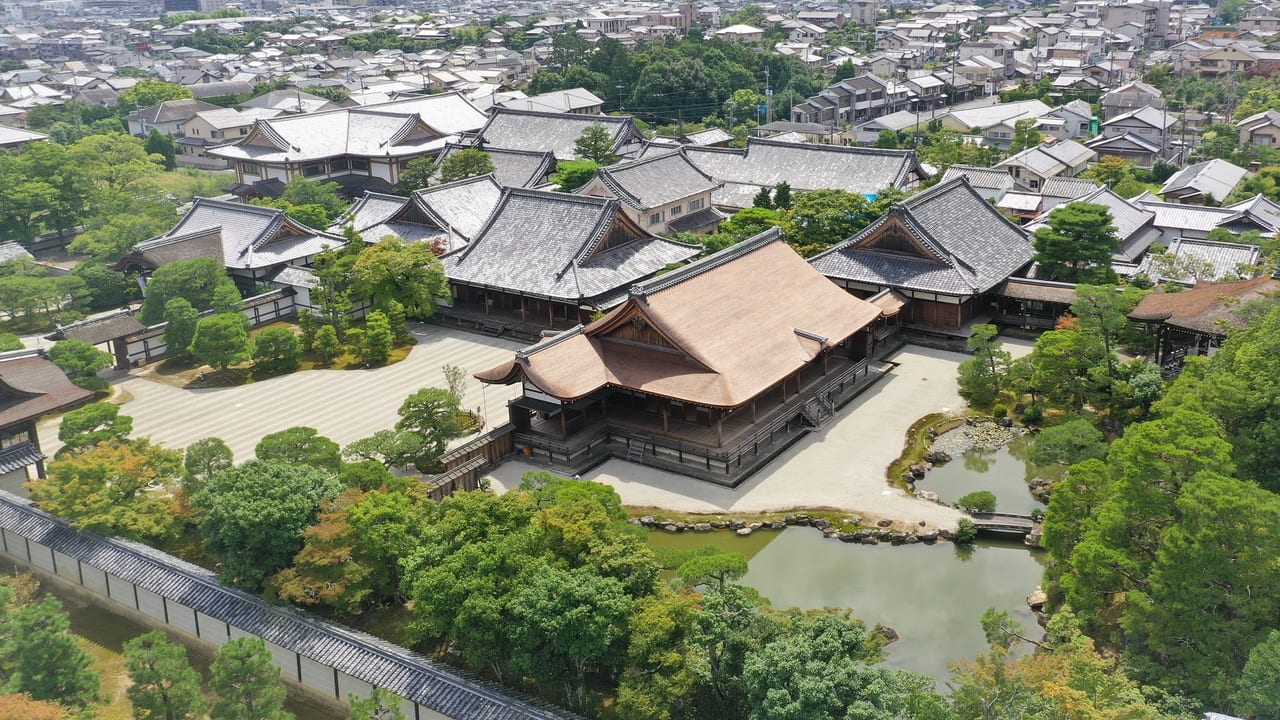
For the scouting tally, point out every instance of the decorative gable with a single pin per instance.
(896, 236)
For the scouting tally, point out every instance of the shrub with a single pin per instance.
(979, 501)
(966, 532)
(1037, 515)
(1000, 411)
(1032, 415)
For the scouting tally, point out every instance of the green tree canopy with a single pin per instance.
(255, 514)
(221, 341)
(300, 446)
(193, 280)
(81, 362)
(163, 685)
(464, 164)
(146, 93)
(180, 328)
(432, 414)
(247, 682)
(1077, 244)
(408, 273)
(115, 488)
(595, 144)
(94, 423)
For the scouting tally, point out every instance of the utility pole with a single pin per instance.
(768, 99)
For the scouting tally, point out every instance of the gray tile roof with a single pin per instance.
(1261, 211)
(550, 132)
(1062, 189)
(451, 692)
(251, 236)
(1223, 259)
(544, 244)
(13, 251)
(696, 220)
(461, 206)
(514, 168)
(404, 128)
(765, 163)
(980, 177)
(1187, 217)
(1211, 177)
(656, 180)
(973, 247)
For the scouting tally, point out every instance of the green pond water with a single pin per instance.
(932, 595)
(1004, 472)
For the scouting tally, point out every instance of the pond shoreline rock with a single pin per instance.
(884, 531)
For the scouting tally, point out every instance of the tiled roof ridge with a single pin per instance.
(525, 352)
(679, 275)
(602, 119)
(507, 194)
(162, 240)
(347, 217)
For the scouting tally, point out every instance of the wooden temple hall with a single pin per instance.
(710, 370)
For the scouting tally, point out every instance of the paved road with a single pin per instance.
(344, 405)
(842, 466)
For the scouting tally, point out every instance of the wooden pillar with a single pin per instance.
(551, 314)
(564, 429)
(666, 415)
(719, 418)
(486, 301)
(753, 412)
(521, 308)
(784, 390)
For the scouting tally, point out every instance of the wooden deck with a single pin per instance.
(691, 448)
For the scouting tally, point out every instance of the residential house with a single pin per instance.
(167, 117)
(364, 148)
(552, 260)
(31, 386)
(1139, 135)
(740, 34)
(552, 132)
(664, 194)
(943, 250)
(1076, 121)
(1227, 60)
(709, 370)
(765, 163)
(1195, 184)
(990, 183)
(211, 128)
(994, 122)
(291, 102)
(1033, 166)
(11, 137)
(1261, 129)
(1059, 190)
(252, 242)
(1131, 96)
(853, 100)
